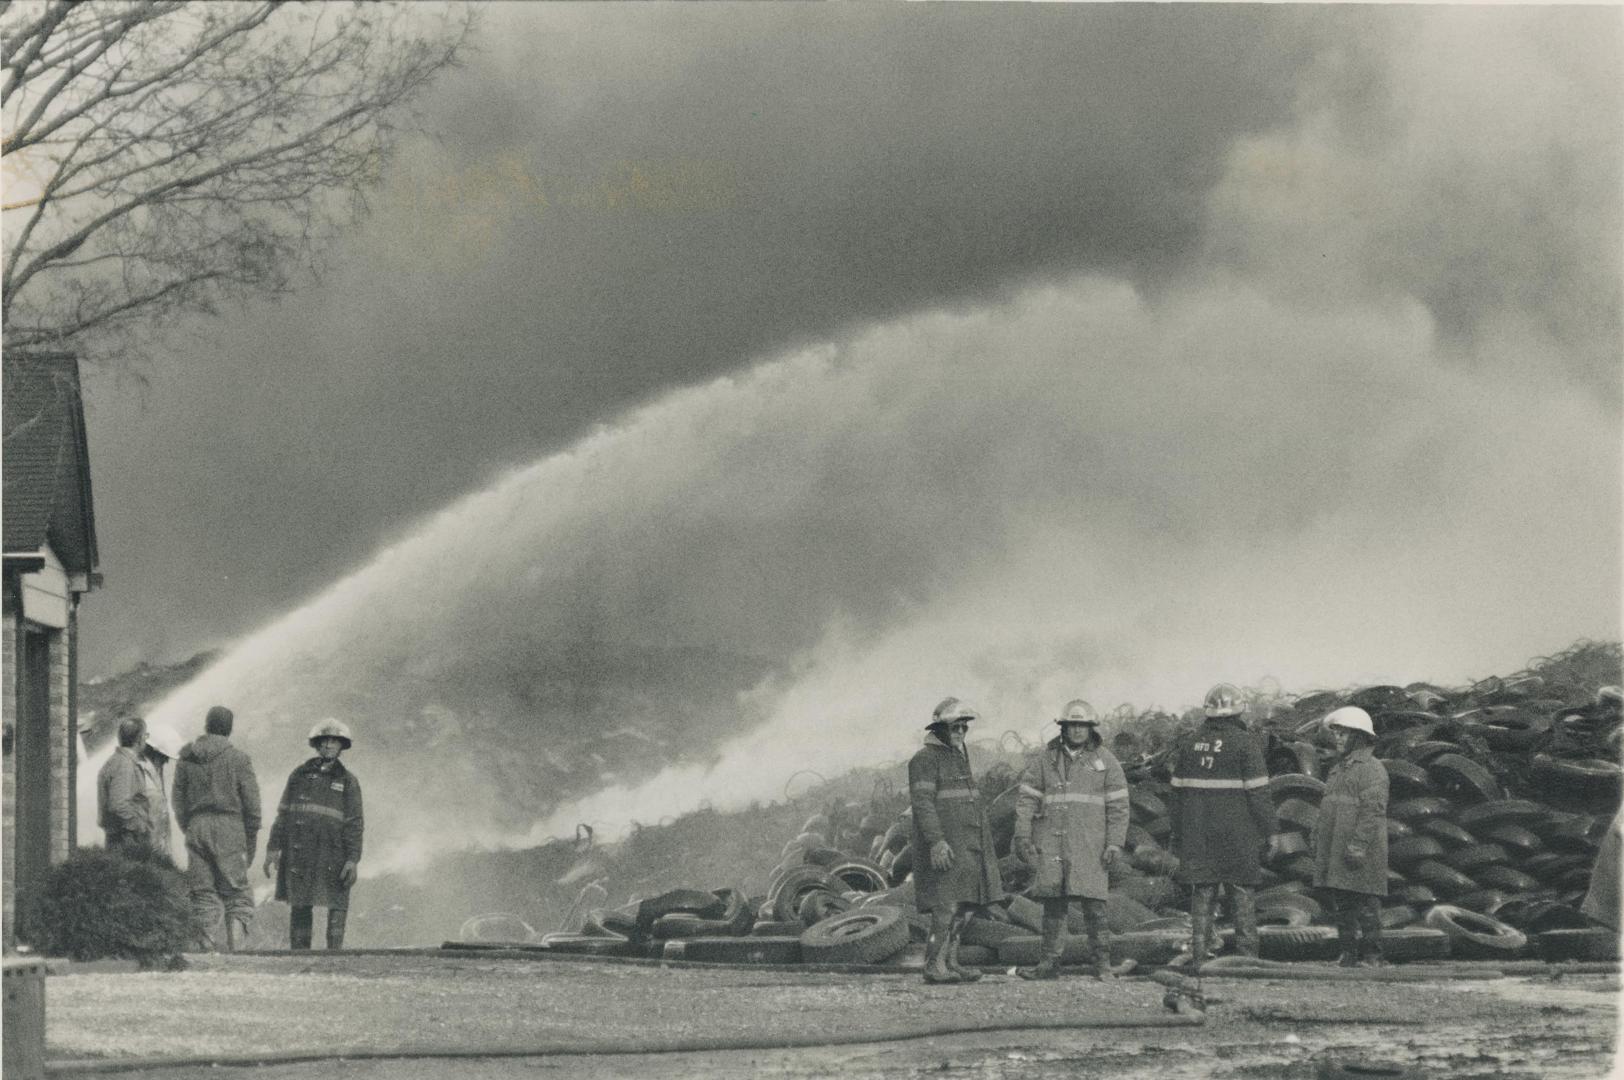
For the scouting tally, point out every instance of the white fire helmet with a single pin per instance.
(1223, 700)
(162, 738)
(952, 709)
(331, 729)
(1078, 711)
(1353, 718)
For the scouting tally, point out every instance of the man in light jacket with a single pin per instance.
(1350, 838)
(217, 804)
(122, 808)
(1071, 820)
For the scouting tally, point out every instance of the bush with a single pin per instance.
(102, 905)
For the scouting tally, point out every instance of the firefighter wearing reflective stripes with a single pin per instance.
(315, 844)
(955, 869)
(1071, 820)
(1221, 819)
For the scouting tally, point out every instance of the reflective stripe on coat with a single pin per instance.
(318, 829)
(1219, 808)
(1071, 809)
(1353, 825)
(947, 806)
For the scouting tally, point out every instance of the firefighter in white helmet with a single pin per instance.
(1071, 820)
(955, 869)
(315, 844)
(1350, 838)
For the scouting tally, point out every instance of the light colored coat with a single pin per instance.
(122, 809)
(1072, 809)
(1350, 837)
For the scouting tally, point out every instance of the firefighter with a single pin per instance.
(955, 869)
(1071, 820)
(315, 843)
(1350, 838)
(1222, 819)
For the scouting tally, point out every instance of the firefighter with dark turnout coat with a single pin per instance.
(315, 843)
(1071, 820)
(1222, 819)
(955, 868)
(1350, 838)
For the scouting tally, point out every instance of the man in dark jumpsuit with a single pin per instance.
(315, 843)
(955, 868)
(217, 805)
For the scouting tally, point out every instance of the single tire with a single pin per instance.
(1482, 901)
(1296, 785)
(1448, 832)
(785, 901)
(864, 875)
(1300, 867)
(1297, 943)
(1413, 850)
(976, 955)
(1444, 879)
(1399, 915)
(1398, 830)
(706, 905)
(1147, 947)
(1301, 901)
(1507, 879)
(730, 950)
(678, 924)
(1299, 814)
(1143, 807)
(1418, 895)
(1282, 915)
(1515, 838)
(1024, 911)
(1474, 935)
(1545, 864)
(817, 905)
(1498, 812)
(1406, 779)
(1416, 943)
(989, 932)
(775, 928)
(864, 935)
(1287, 846)
(1474, 857)
(1534, 917)
(823, 856)
(1591, 943)
(1464, 779)
(1423, 752)
(1416, 811)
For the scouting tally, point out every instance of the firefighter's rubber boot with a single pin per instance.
(965, 974)
(1099, 949)
(1200, 927)
(1051, 948)
(300, 922)
(335, 927)
(1246, 940)
(236, 934)
(936, 969)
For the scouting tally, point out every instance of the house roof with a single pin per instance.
(45, 460)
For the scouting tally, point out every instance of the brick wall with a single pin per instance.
(62, 725)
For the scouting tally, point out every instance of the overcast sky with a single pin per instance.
(1155, 343)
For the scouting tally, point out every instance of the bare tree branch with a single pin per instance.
(164, 156)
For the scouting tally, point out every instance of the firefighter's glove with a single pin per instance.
(272, 858)
(1354, 856)
(347, 875)
(941, 855)
(1110, 856)
(1026, 851)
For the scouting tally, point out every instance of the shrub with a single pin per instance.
(103, 905)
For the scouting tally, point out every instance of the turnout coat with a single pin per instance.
(1220, 812)
(317, 830)
(1350, 838)
(1071, 808)
(947, 806)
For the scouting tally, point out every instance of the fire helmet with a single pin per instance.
(331, 729)
(1353, 718)
(952, 709)
(162, 738)
(1078, 712)
(1223, 700)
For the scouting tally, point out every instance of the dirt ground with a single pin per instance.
(568, 1019)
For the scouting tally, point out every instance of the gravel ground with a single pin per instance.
(237, 1006)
